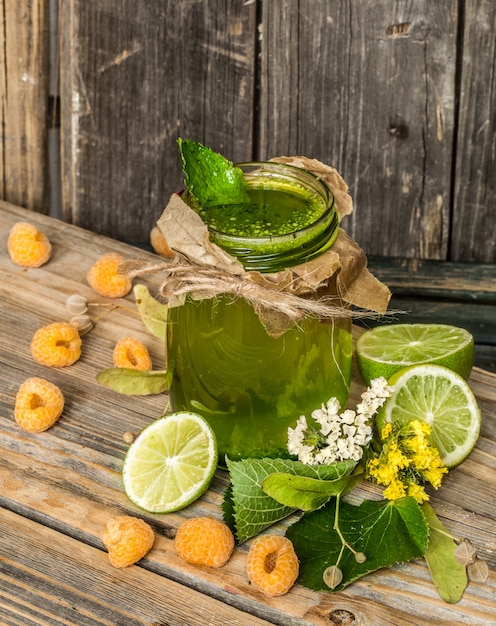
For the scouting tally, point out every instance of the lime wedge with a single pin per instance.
(440, 397)
(171, 463)
(384, 350)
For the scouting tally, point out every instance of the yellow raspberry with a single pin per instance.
(39, 404)
(132, 353)
(127, 539)
(28, 246)
(272, 565)
(56, 345)
(104, 278)
(205, 541)
(159, 243)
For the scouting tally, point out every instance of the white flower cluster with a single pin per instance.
(341, 436)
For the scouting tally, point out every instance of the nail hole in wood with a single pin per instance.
(398, 30)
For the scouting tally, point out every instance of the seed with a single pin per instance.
(360, 557)
(333, 576)
(82, 323)
(76, 304)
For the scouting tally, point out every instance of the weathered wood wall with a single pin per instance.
(398, 95)
(24, 45)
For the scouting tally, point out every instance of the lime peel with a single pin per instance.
(171, 463)
(384, 350)
(442, 398)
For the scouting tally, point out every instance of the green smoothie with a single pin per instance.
(249, 386)
(223, 364)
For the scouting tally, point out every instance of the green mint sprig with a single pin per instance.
(211, 179)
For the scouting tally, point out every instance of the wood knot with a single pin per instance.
(343, 617)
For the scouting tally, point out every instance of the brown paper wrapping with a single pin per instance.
(202, 269)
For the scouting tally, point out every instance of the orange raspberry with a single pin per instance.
(56, 345)
(131, 353)
(39, 404)
(28, 246)
(104, 278)
(205, 541)
(127, 539)
(159, 243)
(272, 565)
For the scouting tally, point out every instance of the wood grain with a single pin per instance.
(24, 43)
(77, 593)
(134, 78)
(369, 90)
(58, 489)
(461, 294)
(474, 181)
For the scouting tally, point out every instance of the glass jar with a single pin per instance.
(222, 362)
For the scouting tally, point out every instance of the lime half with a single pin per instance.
(440, 397)
(171, 463)
(384, 350)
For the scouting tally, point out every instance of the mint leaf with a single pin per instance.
(153, 313)
(211, 178)
(133, 382)
(448, 575)
(387, 532)
(251, 508)
(306, 493)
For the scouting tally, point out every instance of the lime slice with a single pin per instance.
(440, 397)
(171, 463)
(384, 350)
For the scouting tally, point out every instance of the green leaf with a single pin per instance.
(252, 509)
(153, 313)
(303, 492)
(211, 178)
(387, 532)
(133, 382)
(448, 575)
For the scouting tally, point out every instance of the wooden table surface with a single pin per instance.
(59, 488)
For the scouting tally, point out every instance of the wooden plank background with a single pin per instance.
(24, 45)
(398, 95)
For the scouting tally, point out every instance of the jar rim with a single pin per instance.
(290, 169)
(268, 253)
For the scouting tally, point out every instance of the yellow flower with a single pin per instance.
(421, 429)
(386, 431)
(395, 490)
(417, 492)
(383, 473)
(396, 458)
(435, 475)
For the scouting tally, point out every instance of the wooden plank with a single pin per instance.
(462, 294)
(23, 103)
(473, 282)
(475, 184)
(135, 77)
(69, 478)
(368, 88)
(36, 589)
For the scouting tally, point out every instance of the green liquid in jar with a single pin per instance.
(271, 211)
(249, 386)
(221, 361)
